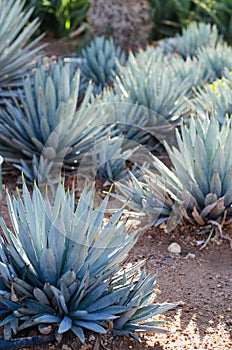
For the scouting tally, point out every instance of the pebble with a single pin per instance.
(174, 248)
(190, 256)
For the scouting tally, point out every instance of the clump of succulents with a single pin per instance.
(216, 59)
(99, 62)
(194, 36)
(109, 158)
(125, 118)
(198, 186)
(44, 122)
(141, 195)
(15, 56)
(155, 86)
(190, 69)
(60, 269)
(216, 99)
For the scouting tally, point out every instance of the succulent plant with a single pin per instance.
(155, 86)
(99, 62)
(44, 122)
(151, 205)
(197, 189)
(124, 117)
(194, 36)
(215, 99)
(109, 158)
(61, 267)
(190, 69)
(15, 56)
(216, 59)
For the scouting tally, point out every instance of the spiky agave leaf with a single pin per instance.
(190, 68)
(44, 123)
(216, 99)
(58, 266)
(124, 117)
(156, 87)
(200, 179)
(194, 36)
(109, 158)
(15, 56)
(146, 196)
(215, 59)
(141, 308)
(99, 62)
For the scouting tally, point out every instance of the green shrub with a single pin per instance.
(60, 17)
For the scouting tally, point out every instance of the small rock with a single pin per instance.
(92, 338)
(174, 248)
(190, 256)
(65, 347)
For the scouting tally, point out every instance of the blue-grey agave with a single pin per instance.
(99, 62)
(194, 36)
(61, 266)
(15, 56)
(215, 59)
(216, 99)
(44, 122)
(198, 187)
(155, 86)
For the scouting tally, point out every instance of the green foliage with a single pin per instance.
(15, 56)
(60, 17)
(220, 13)
(165, 19)
(44, 123)
(61, 266)
(99, 62)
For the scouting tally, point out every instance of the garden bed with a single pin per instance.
(201, 281)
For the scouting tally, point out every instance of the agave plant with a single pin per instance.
(156, 87)
(190, 69)
(43, 123)
(216, 59)
(124, 117)
(216, 99)
(61, 266)
(194, 36)
(197, 189)
(141, 195)
(99, 62)
(15, 56)
(109, 158)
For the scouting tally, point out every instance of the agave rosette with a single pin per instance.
(15, 56)
(201, 171)
(155, 86)
(99, 62)
(44, 122)
(61, 266)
